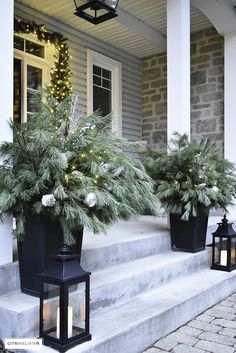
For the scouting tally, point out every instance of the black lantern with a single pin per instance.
(96, 11)
(64, 302)
(224, 247)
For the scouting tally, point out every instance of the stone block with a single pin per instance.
(156, 98)
(145, 86)
(147, 127)
(147, 113)
(210, 47)
(160, 125)
(160, 108)
(167, 343)
(182, 348)
(159, 137)
(198, 78)
(145, 64)
(145, 100)
(220, 313)
(190, 331)
(185, 339)
(201, 59)
(197, 36)
(205, 318)
(195, 99)
(193, 48)
(218, 70)
(149, 92)
(155, 350)
(218, 61)
(209, 97)
(153, 62)
(204, 326)
(196, 114)
(159, 83)
(211, 79)
(151, 74)
(228, 332)
(218, 108)
(214, 337)
(205, 88)
(214, 347)
(162, 59)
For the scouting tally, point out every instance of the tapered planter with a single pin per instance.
(42, 238)
(189, 236)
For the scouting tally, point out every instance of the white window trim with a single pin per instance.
(29, 59)
(95, 58)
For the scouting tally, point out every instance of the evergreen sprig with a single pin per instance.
(191, 176)
(58, 153)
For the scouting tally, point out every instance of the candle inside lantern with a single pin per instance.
(70, 321)
(223, 257)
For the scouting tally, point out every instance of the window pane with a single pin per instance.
(97, 70)
(106, 83)
(18, 43)
(97, 80)
(17, 91)
(34, 49)
(51, 313)
(34, 81)
(76, 311)
(106, 74)
(101, 100)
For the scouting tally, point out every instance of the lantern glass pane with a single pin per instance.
(77, 310)
(233, 251)
(51, 310)
(223, 251)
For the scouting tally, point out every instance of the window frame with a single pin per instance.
(105, 62)
(32, 60)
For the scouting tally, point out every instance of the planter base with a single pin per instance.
(42, 238)
(188, 236)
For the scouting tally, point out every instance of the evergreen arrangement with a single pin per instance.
(191, 176)
(72, 169)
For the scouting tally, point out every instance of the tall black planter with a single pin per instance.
(42, 238)
(189, 236)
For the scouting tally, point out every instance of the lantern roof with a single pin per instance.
(224, 229)
(64, 266)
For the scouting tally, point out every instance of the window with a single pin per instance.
(104, 88)
(31, 71)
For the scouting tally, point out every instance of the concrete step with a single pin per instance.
(113, 286)
(133, 327)
(124, 241)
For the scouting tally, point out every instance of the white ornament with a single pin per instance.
(48, 200)
(202, 186)
(106, 166)
(90, 199)
(118, 171)
(215, 188)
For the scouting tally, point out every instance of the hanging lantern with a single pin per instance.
(96, 11)
(224, 247)
(64, 302)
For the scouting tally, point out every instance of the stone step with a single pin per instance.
(110, 287)
(133, 327)
(124, 241)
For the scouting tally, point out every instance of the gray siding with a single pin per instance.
(78, 43)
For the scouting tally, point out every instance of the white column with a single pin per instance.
(6, 104)
(230, 98)
(230, 104)
(178, 67)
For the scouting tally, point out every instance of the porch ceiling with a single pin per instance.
(140, 28)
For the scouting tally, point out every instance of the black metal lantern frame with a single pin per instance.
(224, 247)
(64, 302)
(96, 11)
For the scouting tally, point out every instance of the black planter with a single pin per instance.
(189, 236)
(42, 238)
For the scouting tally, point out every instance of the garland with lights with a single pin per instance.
(60, 85)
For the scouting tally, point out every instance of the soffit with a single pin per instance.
(150, 12)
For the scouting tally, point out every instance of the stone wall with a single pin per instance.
(207, 91)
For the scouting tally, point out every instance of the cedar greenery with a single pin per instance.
(57, 152)
(191, 176)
